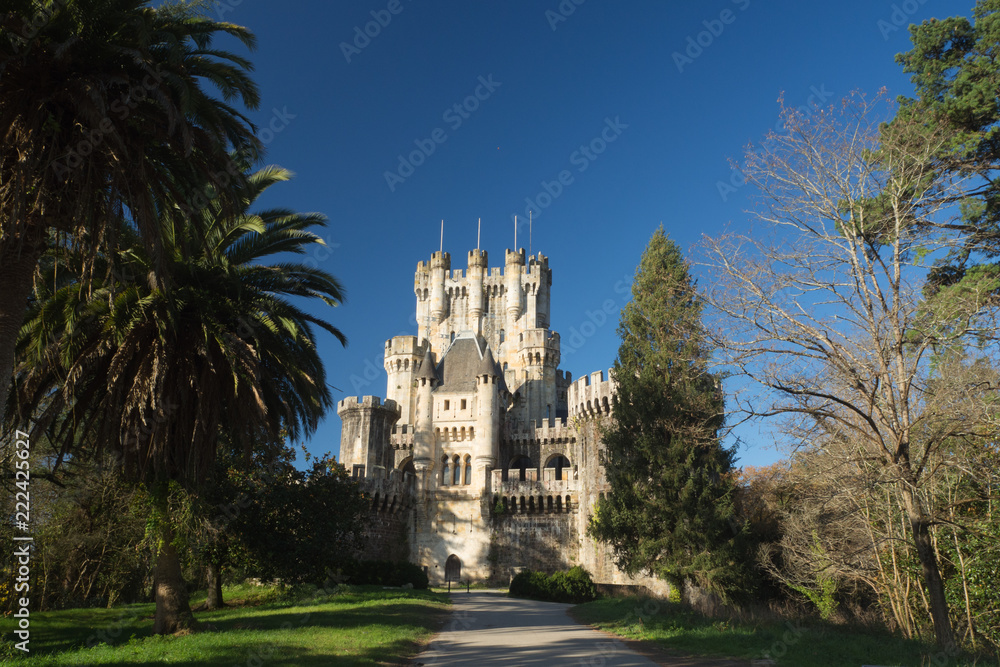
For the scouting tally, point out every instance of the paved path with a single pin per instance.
(488, 628)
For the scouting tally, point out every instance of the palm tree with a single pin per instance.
(104, 115)
(155, 374)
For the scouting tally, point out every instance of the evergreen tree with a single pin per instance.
(670, 510)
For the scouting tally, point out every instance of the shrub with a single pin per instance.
(384, 573)
(573, 586)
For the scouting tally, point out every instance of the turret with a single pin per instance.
(364, 437)
(423, 433)
(514, 266)
(540, 280)
(477, 269)
(402, 358)
(440, 266)
(487, 415)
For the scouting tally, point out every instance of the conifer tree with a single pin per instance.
(670, 510)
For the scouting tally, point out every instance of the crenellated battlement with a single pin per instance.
(389, 491)
(369, 402)
(403, 345)
(563, 378)
(545, 431)
(401, 436)
(538, 265)
(591, 395)
(515, 257)
(478, 258)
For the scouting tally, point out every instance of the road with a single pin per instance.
(488, 628)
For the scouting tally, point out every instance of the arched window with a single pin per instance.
(468, 470)
(503, 335)
(561, 465)
(457, 471)
(446, 472)
(520, 465)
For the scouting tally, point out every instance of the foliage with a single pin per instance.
(139, 117)
(670, 510)
(758, 636)
(381, 572)
(574, 585)
(822, 311)
(953, 67)
(294, 525)
(153, 375)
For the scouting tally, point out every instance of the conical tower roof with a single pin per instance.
(488, 366)
(427, 370)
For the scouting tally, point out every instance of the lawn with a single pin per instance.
(365, 625)
(807, 643)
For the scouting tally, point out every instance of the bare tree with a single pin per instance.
(823, 310)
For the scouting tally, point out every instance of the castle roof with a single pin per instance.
(488, 365)
(427, 370)
(460, 363)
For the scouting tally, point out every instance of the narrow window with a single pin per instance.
(463, 403)
(447, 405)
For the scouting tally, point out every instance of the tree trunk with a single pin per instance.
(929, 566)
(16, 272)
(173, 613)
(214, 585)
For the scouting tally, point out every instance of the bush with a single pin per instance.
(573, 586)
(384, 573)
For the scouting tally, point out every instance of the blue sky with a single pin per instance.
(607, 119)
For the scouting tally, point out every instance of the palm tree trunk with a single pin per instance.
(927, 556)
(173, 612)
(16, 271)
(214, 585)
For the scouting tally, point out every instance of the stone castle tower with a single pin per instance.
(484, 457)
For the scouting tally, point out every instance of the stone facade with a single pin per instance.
(484, 453)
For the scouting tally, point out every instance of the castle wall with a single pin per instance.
(517, 503)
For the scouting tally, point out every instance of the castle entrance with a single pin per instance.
(453, 568)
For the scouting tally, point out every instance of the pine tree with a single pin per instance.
(670, 510)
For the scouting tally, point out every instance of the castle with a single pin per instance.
(484, 457)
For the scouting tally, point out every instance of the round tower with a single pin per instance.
(402, 358)
(513, 268)
(541, 279)
(440, 265)
(423, 432)
(487, 416)
(477, 269)
(539, 353)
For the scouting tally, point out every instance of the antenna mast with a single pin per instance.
(479, 231)
(442, 236)
(515, 232)
(529, 231)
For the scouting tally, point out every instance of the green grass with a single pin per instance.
(807, 643)
(364, 625)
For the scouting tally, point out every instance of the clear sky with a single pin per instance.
(606, 118)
